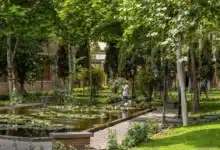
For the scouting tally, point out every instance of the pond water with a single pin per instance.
(40, 122)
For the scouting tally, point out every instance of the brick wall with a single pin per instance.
(28, 87)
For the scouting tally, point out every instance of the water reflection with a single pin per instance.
(124, 114)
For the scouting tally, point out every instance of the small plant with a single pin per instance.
(153, 127)
(15, 145)
(31, 147)
(112, 141)
(59, 146)
(41, 147)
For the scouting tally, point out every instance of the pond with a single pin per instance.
(40, 122)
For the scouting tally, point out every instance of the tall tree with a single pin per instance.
(22, 20)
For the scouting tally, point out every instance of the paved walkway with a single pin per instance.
(99, 141)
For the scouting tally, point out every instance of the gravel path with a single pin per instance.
(99, 141)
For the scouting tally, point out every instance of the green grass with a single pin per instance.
(198, 137)
(208, 107)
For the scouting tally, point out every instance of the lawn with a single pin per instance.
(198, 137)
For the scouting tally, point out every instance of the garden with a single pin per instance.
(117, 74)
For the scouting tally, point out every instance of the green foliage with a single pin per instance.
(27, 61)
(4, 103)
(135, 135)
(58, 146)
(112, 141)
(207, 64)
(144, 83)
(4, 97)
(111, 60)
(113, 99)
(153, 127)
(63, 68)
(3, 62)
(62, 96)
(97, 78)
(116, 85)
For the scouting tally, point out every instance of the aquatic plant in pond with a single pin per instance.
(106, 108)
(37, 122)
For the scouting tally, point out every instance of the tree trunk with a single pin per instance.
(42, 80)
(195, 105)
(56, 82)
(153, 67)
(208, 85)
(90, 72)
(166, 81)
(165, 90)
(22, 90)
(9, 63)
(180, 73)
(190, 85)
(70, 70)
(201, 45)
(179, 101)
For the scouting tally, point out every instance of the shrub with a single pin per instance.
(153, 127)
(135, 135)
(60, 146)
(62, 96)
(4, 97)
(81, 90)
(97, 78)
(112, 141)
(105, 87)
(113, 99)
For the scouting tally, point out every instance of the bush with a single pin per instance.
(4, 97)
(135, 135)
(62, 96)
(153, 127)
(81, 90)
(114, 99)
(105, 87)
(97, 78)
(112, 141)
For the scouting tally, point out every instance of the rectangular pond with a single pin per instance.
(41, 121)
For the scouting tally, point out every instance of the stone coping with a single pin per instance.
(69, 135)
(95, 129)
(20, 106)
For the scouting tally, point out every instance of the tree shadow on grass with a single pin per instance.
(205, 138)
